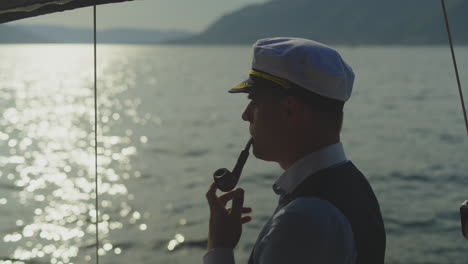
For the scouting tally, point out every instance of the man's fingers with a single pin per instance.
(246, 219)
(211, 195)
(245, 210)
(237, 203)
(226, 197)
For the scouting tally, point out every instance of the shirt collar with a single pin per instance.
(326, 157)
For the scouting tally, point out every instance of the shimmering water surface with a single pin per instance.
(166, 123)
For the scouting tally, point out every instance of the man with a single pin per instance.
(327, 211)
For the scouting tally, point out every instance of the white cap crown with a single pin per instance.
(306, 63)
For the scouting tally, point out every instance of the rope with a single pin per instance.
(455, 64)
(95, 138)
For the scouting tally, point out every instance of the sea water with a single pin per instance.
(166, 123)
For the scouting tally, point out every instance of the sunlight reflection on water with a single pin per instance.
(47, 152)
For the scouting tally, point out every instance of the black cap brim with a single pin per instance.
(243, 87)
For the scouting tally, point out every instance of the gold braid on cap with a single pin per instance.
(280, 81)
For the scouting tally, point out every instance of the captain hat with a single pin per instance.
(295, 63)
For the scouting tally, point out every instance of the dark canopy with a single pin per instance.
(11, 10)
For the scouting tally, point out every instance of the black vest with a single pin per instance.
(348, 190)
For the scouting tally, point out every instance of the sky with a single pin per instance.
(192, 15)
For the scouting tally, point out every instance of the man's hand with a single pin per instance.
(225, 227)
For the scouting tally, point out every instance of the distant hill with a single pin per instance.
(9, 34)
(60, 34)
(340, 22)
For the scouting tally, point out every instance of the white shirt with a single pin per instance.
(308, 229)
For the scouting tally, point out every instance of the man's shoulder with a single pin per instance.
(312, 210)
(313, 225)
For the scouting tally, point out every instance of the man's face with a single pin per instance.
(267, 119)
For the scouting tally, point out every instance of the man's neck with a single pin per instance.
(299, 151)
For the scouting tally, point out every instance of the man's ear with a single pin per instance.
(292, 106)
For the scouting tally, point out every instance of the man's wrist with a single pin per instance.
(219, 255)
(212, 244)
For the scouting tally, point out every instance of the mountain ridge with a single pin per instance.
(339, 22)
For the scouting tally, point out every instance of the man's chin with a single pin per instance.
(260, 155)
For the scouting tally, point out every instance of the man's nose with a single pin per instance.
(246, 116)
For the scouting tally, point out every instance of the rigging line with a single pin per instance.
(95, 138)
(455, 64)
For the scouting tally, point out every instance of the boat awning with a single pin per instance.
(11, 10)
